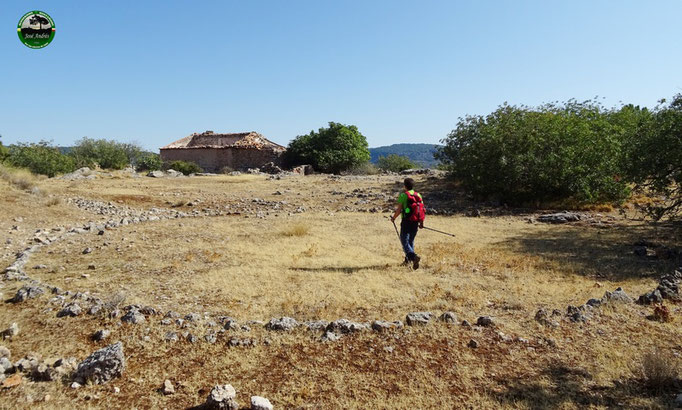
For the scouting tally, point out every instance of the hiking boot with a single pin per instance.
(405, 262)
(415, 262)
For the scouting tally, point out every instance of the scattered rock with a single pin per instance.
(260, 403)
(156, 174)
(70, 310)
(27, 292)
(171, 337)
(5, 365)
(5, 352)
(27, 364)
(617, 296)
(222, 397)
(330, 337)
(382, 325)
(345, 326)
(87, 251)
(193, 317)
(594, 302)
(271, 168)
(650, 298)
(418, 318)
(472, 344)
(168, 388)
(211, 337)
(448, 317)
(485, 321)
(542, 317)
(228, 323)
(283, 324)
(559, 218)
(577, 314)
(102, 366)
(100, 335)
(133, 316)
(317, 325)
(11, 331)
(66, 367)
(668, 288)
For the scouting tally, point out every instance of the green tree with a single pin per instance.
(4, 151)
(149, 161)
(655, 156)
(395, 163)
(107, 154)
(334, 149)
(41, 158)
(520, 154)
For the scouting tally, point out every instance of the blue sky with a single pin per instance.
(402, 71)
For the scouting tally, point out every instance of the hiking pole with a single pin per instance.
(436, 230)
(397, 233)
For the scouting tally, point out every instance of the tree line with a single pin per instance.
(46, 159)
(564, 151)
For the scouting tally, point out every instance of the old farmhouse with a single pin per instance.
(213, 152)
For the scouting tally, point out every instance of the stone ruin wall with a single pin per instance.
(214, 159)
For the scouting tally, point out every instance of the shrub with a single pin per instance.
(654, 160)
(41, 158)
(52, 201)
(366, 168)
(226, 170)
(556, 151)
(184, 166)
(395, 163)
(659, 370)
(107, 154)
(149, 161)
(334, 149)
(20, 178)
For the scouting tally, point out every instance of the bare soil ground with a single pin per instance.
(321, 247)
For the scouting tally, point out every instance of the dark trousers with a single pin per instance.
(408, 231)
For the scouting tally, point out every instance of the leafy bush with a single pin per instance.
(149, 161)
(40, 158)
(107, 154)
(396, 163)
(654, 158)
(4, 152)
(184, 166)
(556, 151)
(334, 149)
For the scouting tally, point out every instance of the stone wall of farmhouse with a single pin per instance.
(214, 159)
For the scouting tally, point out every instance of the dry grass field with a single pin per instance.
(320, 247)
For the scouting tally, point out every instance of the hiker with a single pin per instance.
(411, 207)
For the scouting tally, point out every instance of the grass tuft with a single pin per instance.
(298, 229)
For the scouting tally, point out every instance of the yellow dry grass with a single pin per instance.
(326, 264)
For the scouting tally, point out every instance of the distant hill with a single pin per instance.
(421, 153)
